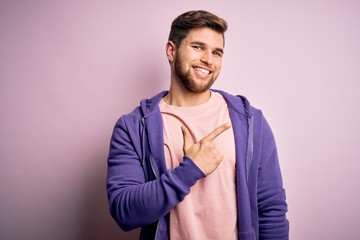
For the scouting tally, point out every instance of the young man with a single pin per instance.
(194, 163)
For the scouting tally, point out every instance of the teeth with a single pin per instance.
(204, 71)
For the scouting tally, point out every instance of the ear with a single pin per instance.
(170, 51)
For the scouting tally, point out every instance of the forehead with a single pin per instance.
(208, 36)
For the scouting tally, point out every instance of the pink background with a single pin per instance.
(69, 69)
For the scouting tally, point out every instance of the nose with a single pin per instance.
(207, 57)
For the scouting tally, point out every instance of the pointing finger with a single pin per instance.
(217, 132)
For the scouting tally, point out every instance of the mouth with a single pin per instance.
(202, 71)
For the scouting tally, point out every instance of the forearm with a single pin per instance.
(272, 219)
(272, 202)
(136, 203)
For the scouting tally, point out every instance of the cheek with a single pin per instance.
(219, 65)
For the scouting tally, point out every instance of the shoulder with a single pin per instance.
(240, 103)
(131, 117)
(147, 107)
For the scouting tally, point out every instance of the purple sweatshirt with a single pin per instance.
(141, 191)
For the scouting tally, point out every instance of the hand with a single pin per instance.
(204, 153)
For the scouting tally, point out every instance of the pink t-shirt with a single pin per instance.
(209, 211)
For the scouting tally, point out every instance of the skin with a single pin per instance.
(201, 49)
(204, 153)
(195, 65)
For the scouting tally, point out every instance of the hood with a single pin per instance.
(148, 106)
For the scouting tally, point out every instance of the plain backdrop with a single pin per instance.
(70, 69)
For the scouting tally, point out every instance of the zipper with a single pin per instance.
(143, 141)
(250, 146)
(157, 230)
(152, 168)
(152, 165)
(143, 149)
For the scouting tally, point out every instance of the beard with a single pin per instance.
(188, 79)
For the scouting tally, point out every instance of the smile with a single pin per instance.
(202, 71)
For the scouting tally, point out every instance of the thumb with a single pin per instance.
(187, 139)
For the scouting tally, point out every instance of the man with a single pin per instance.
(195, 163)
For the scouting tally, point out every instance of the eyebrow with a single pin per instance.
(203, 44)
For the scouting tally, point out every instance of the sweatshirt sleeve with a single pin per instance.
(133, 202)
(272, 204)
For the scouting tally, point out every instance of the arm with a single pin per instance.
(271, 194)
(133, 202)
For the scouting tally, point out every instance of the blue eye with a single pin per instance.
(217, 53)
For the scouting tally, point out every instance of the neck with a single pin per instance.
(186, 98)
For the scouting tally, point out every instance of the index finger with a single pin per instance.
(217, 132)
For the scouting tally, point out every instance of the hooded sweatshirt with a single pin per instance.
(141, 191)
